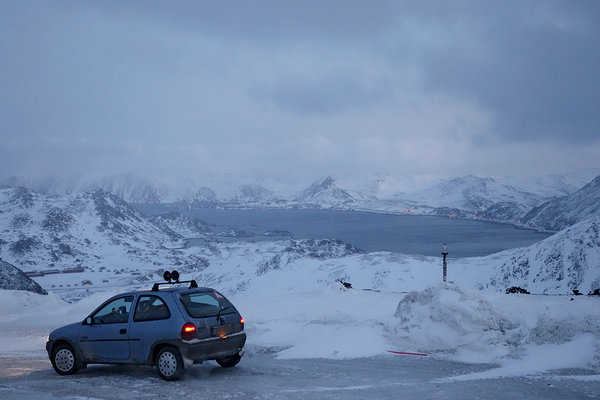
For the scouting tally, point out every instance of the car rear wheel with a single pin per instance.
(169, 363)
(229, 361)
(64, 360)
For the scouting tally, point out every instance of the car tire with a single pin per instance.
(169, 363)
(229, 362)
(65, 360)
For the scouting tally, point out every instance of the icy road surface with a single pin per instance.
(262, 376)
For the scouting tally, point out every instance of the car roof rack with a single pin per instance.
(172, 276)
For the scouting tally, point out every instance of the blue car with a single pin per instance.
(171, 328)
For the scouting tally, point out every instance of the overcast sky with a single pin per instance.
(306, 88)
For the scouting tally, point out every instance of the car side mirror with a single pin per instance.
(88, 321)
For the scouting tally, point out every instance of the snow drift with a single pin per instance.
(480, 326)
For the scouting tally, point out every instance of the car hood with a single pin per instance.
(67, 331)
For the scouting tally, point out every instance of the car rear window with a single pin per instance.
(206, 304)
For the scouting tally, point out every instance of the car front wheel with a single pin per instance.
(169, 364)
(64, 360)
(229, 361)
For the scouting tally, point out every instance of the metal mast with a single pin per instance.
(445, 266)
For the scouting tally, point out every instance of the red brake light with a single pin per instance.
(188, 331)
(242, 321)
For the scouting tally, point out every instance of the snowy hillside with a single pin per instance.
(568, 260)
(183, 225)
(132, 188)
(97, 232)
(559, 213)
(12, 278)
(474, 194)
(89, 231)
(255, 195)
(554, 185)
(325, 193)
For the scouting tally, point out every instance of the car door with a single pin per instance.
(152, 322)
(104, 336)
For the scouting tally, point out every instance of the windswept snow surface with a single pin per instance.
(525, 335)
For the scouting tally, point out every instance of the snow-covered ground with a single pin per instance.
(523, 334)
(290, 294)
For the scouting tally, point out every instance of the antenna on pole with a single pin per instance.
(445, 266)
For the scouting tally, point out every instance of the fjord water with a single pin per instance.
(408, 234)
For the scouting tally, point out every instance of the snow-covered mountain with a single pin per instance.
(82, 241)
(567, 260)
(132, 188)
(325, 193)
(12, 278)
(553, 185)
(472, 193)
(105, 241)
(86, 230)
(468, 193)
(184, 225)
(500, 199)
(252, 195)
(559, 213)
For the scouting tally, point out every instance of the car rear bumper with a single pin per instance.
(213, 348)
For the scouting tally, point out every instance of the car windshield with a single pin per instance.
(206, 304)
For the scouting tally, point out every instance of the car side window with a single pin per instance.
(117, 311)
(151, 308)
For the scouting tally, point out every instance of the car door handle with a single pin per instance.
(123, 331)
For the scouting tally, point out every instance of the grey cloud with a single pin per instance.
(264, 20)
(143, 85)
(331, 93)
(539, 80)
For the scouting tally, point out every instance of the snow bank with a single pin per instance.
(541, 332)
(329, 323)
(445, 319)
(27, 318)
(28, 309)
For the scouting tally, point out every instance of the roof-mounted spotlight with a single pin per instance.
(175, 276)
(172, 277)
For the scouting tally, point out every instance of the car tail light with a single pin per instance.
(242, 323)
(188, 331)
